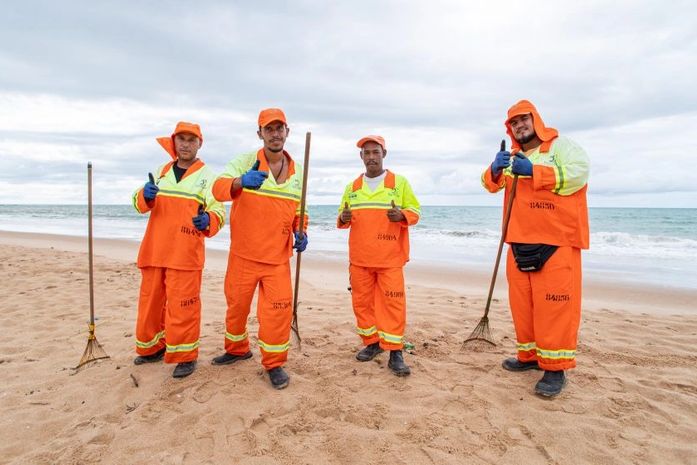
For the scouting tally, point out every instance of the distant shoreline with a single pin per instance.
(329, 270)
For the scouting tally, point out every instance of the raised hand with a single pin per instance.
(150, 189)
(346, 214)
(202, 220)
(501, 160)
(253, 179)
(394, 213)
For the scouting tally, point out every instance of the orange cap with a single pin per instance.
(377, 139)
(167, 143)
(545, 134)
(269, 115)
(193, 128)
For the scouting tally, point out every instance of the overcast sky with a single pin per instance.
(86, 80)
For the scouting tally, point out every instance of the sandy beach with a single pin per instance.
(630, 401)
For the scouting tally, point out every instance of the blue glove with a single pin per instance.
(202, 220)
(150, 189)
(253, 179)
(300, 244)
(502, 160)
(521, 165)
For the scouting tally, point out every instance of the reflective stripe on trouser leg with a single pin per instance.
(556, 293)
(363, 289)
(240, 283)
(183, 318)
(275, 314)
(150, 327)
(390, 307)
(520, 300)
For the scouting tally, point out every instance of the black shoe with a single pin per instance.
(551, 384)
(369, 352)
(397, 365)
(513, 364)
(156, 357)
(184, 369)
(227, 359)
(279, 378)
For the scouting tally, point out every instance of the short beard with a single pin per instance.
(275, 150)
(526, 139)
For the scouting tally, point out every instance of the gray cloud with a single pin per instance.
(99, 80)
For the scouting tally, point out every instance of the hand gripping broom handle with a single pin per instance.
(89, 247)
(507, 217)
(301, 229)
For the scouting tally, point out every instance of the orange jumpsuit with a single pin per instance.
(548, 208)
(262, 223)
(171, 261)
(378, 251)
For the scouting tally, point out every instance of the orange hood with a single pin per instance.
(545, 134)
(167, 143)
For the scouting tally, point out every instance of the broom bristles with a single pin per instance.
(481, 336)
(93, 352)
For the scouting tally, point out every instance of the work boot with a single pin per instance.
(279, 378)
(227, 359)
(551, 384)
(513, 364)
(156, 357)
(184, 369)
(369, 352)
(397, 365)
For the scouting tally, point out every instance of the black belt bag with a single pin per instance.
(532, 257)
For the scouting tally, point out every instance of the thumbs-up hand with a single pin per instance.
(253, 179)
(501, 161)
(345, 214)
(395, 214)
(202, 220)
(150, 189)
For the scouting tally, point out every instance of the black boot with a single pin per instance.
(184, 369)
(369, 352)
(227, 359)
(397, 365)
(551, 384)
(156, 357)
(279, 378)
(513, 364)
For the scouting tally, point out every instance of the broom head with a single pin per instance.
(93, 352)
(481, 337)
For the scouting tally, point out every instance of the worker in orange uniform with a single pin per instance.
(265, 188)
(182, 213)
(378, 207)
(548, 228)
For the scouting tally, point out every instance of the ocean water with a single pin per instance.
(654, 246)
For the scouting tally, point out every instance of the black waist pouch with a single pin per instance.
(532, 257)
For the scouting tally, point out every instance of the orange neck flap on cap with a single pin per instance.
(168, 144)
(545, 134)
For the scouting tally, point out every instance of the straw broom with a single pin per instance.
(94, 350)
(482, 332)
(298, 255)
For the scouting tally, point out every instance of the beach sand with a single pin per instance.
(631, 400)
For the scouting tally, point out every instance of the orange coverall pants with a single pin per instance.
(546, 309)
(274, 308)
(169, 313)
(379, 304)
